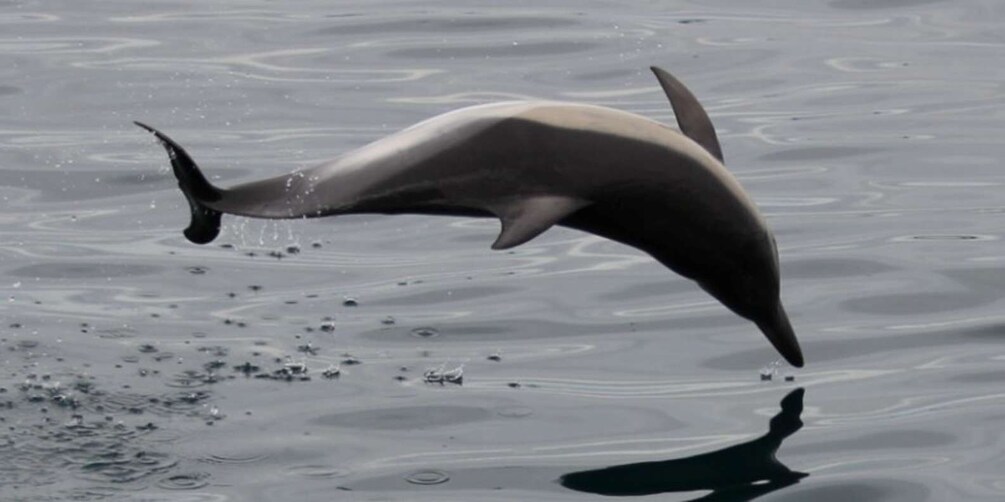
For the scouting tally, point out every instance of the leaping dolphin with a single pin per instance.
(534, 164)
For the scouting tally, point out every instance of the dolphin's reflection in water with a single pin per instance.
(742, 472)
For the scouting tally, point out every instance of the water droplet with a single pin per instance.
(425, 332)
(443, 376)
(247, 368)
(770, 371)
(427, 477)
(296, 368)
(215, 413)
(349, 302)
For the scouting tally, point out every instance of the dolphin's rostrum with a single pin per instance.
(534, 164)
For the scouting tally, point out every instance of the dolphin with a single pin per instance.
(535, 164)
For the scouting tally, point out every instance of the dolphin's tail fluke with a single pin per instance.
(205, 224)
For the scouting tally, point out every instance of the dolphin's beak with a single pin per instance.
(780, 334)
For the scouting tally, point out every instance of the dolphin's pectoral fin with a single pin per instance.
(525, 218)
(691, 117)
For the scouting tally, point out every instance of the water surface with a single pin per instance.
(138, 365)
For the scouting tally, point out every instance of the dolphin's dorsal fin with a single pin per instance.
(691, 117)
(525, 218)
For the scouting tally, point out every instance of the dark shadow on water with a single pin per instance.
(741, 472)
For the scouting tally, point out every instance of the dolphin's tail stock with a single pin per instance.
(205, 224)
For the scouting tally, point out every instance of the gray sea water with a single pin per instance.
(138, 366)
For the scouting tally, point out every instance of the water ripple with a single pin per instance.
(461, 99)
(258, 66)
(452, 22)
(235, 459)
(427, 477)
(625, 389)
(912, 408)
(185, 481)
(216, 16)
(862, 64)
(878, 4)
(502, 50)
(27, 17)
(71, 45)
(318, 471)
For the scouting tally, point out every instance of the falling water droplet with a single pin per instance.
(770, 371)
